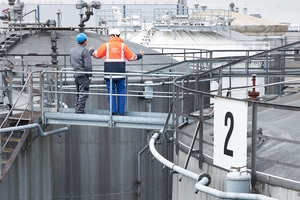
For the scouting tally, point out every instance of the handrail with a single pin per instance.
(218, 73)
(34, 125)
(97, 83)
(18, 98)
(250, 57)
(29, 82)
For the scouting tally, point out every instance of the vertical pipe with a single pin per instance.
(124, 11)
(35, 20)
(230, 15)
(139, 181)
(58, 18)
(38, 12)
(253, 156)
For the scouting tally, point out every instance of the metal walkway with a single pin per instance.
(139, 120)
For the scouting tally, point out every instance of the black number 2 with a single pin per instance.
(226, 150)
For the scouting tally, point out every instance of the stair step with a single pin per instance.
(4, 161)
(7, 150)
(12, 139)
(26, 116)
(17, 118)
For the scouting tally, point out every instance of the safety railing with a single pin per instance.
(59, 87)
(26, 98)
(194, 101)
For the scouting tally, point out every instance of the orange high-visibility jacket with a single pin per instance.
(115, 54)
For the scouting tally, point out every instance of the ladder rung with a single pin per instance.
(8, 150)
(17, 118)
(12, 139)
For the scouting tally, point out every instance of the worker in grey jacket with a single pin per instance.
(81, 61)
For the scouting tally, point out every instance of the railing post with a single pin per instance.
(65, 66)
(21, 39)
(182, 102)
(126, 94)
(0, 159)
(196, 106)
(41, 91)
(56, 90)
(61, 92)
(201, 104)
(220, 82)
(253, 143)
(247, 63)
(210, 56)
(110, 101)
(267, 73)
(30, 94)
(23, 68)
(10, 90)
(176, 89)
(42, 98)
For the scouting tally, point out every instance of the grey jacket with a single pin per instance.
(80, 59)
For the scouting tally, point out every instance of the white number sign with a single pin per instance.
(230, 133)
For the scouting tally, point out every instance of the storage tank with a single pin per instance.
(86, 162)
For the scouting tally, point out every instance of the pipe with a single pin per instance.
(139, 181)
(229, 195)
(35, 125)
(167, 163)
(88, 13)
(203, 180)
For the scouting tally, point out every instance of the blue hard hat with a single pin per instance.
(81, 37)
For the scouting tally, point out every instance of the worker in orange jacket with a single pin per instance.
(115, 53)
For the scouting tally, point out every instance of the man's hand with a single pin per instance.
(142, 52)
(91, 50)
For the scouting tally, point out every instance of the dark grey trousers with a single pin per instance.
(82, 87)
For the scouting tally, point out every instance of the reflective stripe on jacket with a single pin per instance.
(115, 54)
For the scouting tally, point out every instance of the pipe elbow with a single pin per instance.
(202, 179)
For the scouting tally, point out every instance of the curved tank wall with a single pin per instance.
(87, 162)
(268, 170)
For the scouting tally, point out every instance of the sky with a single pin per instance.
(273, 10)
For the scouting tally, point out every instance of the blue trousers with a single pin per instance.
(117, 102)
